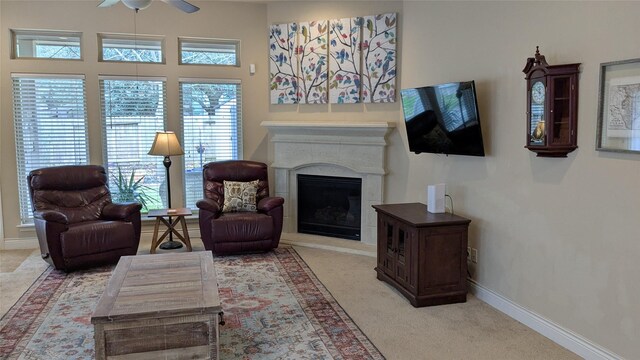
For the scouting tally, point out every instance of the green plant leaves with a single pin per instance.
(130, 190)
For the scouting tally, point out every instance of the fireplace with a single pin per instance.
(330, 148)
(329, 206)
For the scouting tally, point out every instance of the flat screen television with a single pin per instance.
(443, 119)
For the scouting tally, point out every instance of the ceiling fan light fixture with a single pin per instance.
(137, 4)
(143, 4)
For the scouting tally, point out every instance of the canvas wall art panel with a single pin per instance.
(312, 52)
(283, 63)
(379, 58)
(344, 60)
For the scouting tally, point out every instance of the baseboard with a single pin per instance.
(564, 337)
(19, 243)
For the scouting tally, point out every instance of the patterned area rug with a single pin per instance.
(275, 308)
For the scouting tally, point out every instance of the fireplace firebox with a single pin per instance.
(329, 206)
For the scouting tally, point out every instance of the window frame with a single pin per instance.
(133, 37)
(211, 41)
(239, 123)
(26, 215)
(14, 33)
(103, 121)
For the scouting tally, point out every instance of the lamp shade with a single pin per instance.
(166, 144)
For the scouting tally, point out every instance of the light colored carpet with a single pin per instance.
(19, 269)
(471, 330)
(459, 331)
(10, 260)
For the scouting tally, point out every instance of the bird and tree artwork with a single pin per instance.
(283, 63)
(341, 61)
(379, 34)
(312, 54)
(344, 60)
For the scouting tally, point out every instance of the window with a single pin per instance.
(131, 48)
(50, 122)
(45, 44)
(211, 127)
(209, 51)
(132, 111)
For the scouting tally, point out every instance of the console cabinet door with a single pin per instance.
(386, 245)
(443, 265)
(404, 256)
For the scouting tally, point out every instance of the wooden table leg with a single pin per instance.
(154, 240)
(186, 233)
(171, 228)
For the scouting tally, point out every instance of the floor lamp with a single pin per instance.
(166, 144)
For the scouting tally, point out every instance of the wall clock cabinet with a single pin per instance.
(552, 107)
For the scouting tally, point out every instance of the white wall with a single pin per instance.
(557, 236)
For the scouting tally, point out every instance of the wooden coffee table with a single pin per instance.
(159, 307)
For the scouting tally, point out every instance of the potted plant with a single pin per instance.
(130, 190)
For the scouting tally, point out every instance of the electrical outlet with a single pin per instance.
(468, 253)
(474, 256)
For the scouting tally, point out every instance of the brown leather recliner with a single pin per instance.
(238, 232)
(76, 223)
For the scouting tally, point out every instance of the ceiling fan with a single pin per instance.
(143, 4)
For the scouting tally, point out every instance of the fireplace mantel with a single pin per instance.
(330, 132)
(362, 129)
(331, 148)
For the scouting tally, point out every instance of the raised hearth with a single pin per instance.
(330, 148)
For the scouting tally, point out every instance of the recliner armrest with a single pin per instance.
(120, 211)
(269, 203)
(209, 205)
(51, 215)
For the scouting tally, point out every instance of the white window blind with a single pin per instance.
(50, 122)
(211, 112)
(133, 109)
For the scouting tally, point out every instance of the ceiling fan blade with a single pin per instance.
(107, 3)
(182, 5)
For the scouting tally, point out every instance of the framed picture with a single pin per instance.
(619, 107)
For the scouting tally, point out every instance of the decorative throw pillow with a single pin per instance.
(240, 196)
